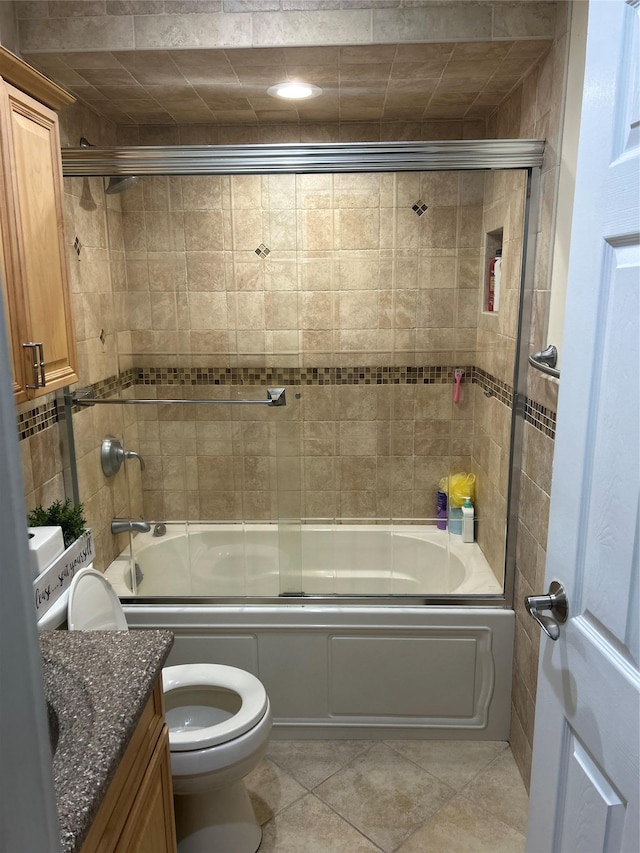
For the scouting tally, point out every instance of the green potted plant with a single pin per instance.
(65, 515)
(52, 580)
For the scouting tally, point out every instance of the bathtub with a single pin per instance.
(363, 653)
(268, 560)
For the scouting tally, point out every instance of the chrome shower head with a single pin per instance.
(116, 184)
(121, 183)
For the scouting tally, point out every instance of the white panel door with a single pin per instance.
(585, 777)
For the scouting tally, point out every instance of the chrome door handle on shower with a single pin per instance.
(556, 602)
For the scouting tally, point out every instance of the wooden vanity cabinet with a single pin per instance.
(34, 263)
(136, 815)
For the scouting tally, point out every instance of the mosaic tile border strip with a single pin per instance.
(114, 384)
(500, 390)
(538, 416)
(111, 386)
(355, 375)
(36, 419)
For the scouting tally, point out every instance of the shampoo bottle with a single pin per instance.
(467, 521)
(493, 285)
(497, 278)
(441, 524)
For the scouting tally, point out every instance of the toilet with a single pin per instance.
(219, 721)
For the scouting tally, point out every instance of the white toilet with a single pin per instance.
(219, 721)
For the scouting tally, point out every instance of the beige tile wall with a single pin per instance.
(535, 109)
(345, 131)
(504, 203)
(354, 277)
(352, 271)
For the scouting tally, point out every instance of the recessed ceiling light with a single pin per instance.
(294, 91)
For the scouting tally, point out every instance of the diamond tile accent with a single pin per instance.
(420, 207)
(77, 245)
(262, 251)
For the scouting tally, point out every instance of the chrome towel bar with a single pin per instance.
(546, 361)
(83, 397)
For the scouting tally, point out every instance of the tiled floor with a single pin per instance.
(405, 796)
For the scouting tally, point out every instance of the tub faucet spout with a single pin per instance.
(131, 454)
(129, 525)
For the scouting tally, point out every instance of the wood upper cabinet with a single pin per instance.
(34, 262)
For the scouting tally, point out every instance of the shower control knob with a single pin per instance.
(556, 602)
(113, 454)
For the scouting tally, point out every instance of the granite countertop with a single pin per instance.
(97, 684)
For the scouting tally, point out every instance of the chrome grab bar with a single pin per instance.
(546, 361)
(83, 397)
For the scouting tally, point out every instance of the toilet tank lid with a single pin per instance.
(93, 605)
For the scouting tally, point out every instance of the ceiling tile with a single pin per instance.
(359, 82)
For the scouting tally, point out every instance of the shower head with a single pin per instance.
(116, 184)
(121, 183)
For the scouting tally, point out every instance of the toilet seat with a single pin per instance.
(93, 605)
(249, 689)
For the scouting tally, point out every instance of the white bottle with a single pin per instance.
(467, 521)
(497, 276)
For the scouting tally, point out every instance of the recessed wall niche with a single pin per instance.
(492, 271)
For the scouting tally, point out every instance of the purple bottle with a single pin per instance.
(441, 523)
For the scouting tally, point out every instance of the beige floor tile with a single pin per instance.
(499, 791)
(311, 762)
(271, 790)
(309, 826)
(454, 762)
(461, 827)
(383, 795)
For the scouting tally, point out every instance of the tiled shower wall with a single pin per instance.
(536, 110)
(503, 214)
(313, 276)
(303, 270)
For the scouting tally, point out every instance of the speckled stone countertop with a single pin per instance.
(97, 684)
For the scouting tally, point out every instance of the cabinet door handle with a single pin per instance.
(37, 364)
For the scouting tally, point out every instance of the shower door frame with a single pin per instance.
(316, 158)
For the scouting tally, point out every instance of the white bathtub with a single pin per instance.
(267, 560)
(335, 667)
